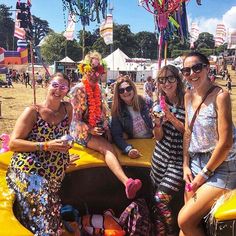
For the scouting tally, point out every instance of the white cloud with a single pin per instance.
(209, 24)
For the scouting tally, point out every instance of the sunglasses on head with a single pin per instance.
(163, 80)
(62, 87)
(127, 89)
(197, 68)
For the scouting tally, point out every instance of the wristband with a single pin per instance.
(45, 146)
(128, 148)
(39, 146)
(207, 172)
(206, 177)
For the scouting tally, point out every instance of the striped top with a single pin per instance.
(167, 159)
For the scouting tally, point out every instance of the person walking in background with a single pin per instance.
(167, 160)
(27, 79)
(229, 84)
(148, 88)
(130, 116)
(40, 159)
(209, 144)
(90, 125)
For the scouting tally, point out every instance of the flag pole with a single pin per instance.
(32, 65)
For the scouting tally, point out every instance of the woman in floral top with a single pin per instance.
(89, 125)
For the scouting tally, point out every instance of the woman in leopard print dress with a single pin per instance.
(40, 159)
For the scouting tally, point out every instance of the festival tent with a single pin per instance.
(67, 59)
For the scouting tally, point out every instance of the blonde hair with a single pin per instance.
(117, 101)
(93, 54)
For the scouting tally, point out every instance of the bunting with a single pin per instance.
(70, 30)
(106, 30)
(220, 35)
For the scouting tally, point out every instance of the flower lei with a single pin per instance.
(94, 103)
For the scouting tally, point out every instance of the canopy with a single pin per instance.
(67, 59)
(116, 61)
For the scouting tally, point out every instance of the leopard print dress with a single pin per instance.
(35, 178)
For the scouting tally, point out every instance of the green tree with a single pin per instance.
(55, 47)
(146, 45)
(6, 28)
(40, 29)
(205, 40)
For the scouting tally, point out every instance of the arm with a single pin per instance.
(175, 121)
(187, 174)
(117, 135)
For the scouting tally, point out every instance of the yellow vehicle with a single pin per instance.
(90, 183)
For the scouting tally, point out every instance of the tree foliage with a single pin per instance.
(6, 28)
(40, 29)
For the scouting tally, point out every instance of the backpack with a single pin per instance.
(135, 219)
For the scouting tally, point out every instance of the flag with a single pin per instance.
(220, 35)
(19, 32)
(70, 30)
(232, 40)
(194, 32)
(106, 30)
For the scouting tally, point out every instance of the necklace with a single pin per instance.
(94, 103)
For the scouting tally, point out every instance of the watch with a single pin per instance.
(207, 172)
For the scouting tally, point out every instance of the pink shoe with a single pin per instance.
(131, 187)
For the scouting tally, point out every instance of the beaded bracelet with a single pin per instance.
(39, 146)
(45, 146)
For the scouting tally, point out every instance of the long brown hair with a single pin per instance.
(117, 101)
(180, 85)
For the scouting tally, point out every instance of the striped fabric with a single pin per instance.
(232, 40)
(106, 30)
(220, 35)
(194, 32)
(70, 30)
(19, 32)
(167, 160)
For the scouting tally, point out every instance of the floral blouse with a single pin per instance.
(79, 100)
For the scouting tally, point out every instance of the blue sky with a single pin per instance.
(207, 15)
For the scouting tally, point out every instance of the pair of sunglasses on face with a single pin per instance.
(163, 80)
(127, 89)
(62, 87)
(197, 68)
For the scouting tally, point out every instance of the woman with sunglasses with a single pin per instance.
(130, 116)
(209, 158)
(167, 160)
(90, 124)
(40, 159)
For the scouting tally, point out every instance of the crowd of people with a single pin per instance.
(195, 145)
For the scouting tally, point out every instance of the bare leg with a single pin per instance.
(196, 208)
(100, 144)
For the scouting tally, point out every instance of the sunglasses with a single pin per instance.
(197, 68)
(163, 80)
(127, 89)
(60, 86)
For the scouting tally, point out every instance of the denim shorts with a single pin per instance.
(224, 176)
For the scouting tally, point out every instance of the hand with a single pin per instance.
(134, 153)
(188, 177)
(197, 182)
(96, 131)
(58, 145)
(168, 114)
(108, 135)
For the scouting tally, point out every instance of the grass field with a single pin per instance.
(14, 100)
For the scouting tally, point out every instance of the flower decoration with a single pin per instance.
(94, 103)
(92, 68)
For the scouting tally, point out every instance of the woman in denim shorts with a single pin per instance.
(209, 163)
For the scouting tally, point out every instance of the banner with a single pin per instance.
(106, 30)
(70, 30)
(232, 40)
(19, 32)
(220, 35)
(194, 32)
